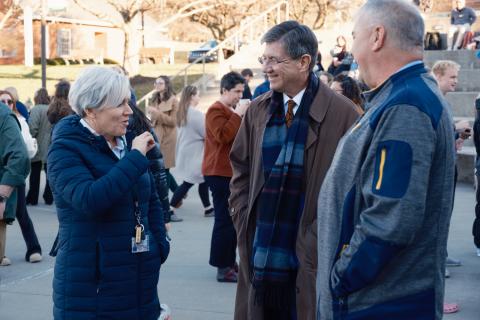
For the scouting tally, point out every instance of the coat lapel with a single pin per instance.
(317, 113)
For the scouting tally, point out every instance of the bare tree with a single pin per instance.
(122, 14)
(315, 12)
(9, 9)
(300, 10)
(321, 13)
(223, 15)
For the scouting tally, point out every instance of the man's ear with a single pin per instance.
(378, 38)
(305, 61)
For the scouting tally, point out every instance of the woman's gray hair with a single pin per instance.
(98, 87)
(402, 21)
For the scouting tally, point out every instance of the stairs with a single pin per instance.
(462, 101)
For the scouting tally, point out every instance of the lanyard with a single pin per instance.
(139, 228)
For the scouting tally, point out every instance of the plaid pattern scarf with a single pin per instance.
(281, 200)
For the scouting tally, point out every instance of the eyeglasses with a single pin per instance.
(158, 82)
(7, 101)
(270, 61)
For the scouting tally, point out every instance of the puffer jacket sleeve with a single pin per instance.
(157, 223)
(74, 182)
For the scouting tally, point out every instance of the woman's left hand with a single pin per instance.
(168, 226)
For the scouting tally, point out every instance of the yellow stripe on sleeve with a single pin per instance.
(383, 156)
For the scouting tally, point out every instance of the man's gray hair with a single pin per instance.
(402, 21)
(98, 87)
(297, 40)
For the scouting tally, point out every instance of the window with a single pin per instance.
(64, 42)
(8, 53)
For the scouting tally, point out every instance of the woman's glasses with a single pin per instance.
(7, 102)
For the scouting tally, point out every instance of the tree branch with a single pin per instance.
(5, 18)
(99, 15)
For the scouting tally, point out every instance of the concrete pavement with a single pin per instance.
(187, 283)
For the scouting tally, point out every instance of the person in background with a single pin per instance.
(325, 77)
(14, 169)
(445, 73)
(347, 86)
(318, 66)
(341, 58)
(461, 20)
(163, 112)
(222, 121)
(112, 237)
(21, 108)
(262, 88)
(34, 250)
(476, 140)
(190, 147)
(385, 205)
(40, 129)
(59, 106)
(247, 74)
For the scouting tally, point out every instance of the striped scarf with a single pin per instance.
(281, 201)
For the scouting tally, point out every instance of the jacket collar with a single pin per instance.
(413, 69)
(320, 104)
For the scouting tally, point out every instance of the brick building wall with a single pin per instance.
(86, 41)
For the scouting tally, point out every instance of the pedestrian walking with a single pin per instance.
(190, 146)
(40, 129)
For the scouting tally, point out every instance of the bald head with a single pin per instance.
(404, 29)
(384, 42)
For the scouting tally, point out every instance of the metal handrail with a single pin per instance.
(232, 38)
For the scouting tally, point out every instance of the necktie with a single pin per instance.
(289, 116)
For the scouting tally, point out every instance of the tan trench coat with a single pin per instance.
(331, 115)
(164, 121)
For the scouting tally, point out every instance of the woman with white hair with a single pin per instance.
(112, 236)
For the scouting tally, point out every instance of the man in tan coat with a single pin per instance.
(293, 131)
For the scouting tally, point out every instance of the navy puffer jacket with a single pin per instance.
(96, 275)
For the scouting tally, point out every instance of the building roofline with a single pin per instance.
(97, 23)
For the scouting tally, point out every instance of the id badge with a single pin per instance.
(142, 246)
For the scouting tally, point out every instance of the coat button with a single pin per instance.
(297, 289)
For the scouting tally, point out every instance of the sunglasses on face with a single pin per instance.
(7, 101)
